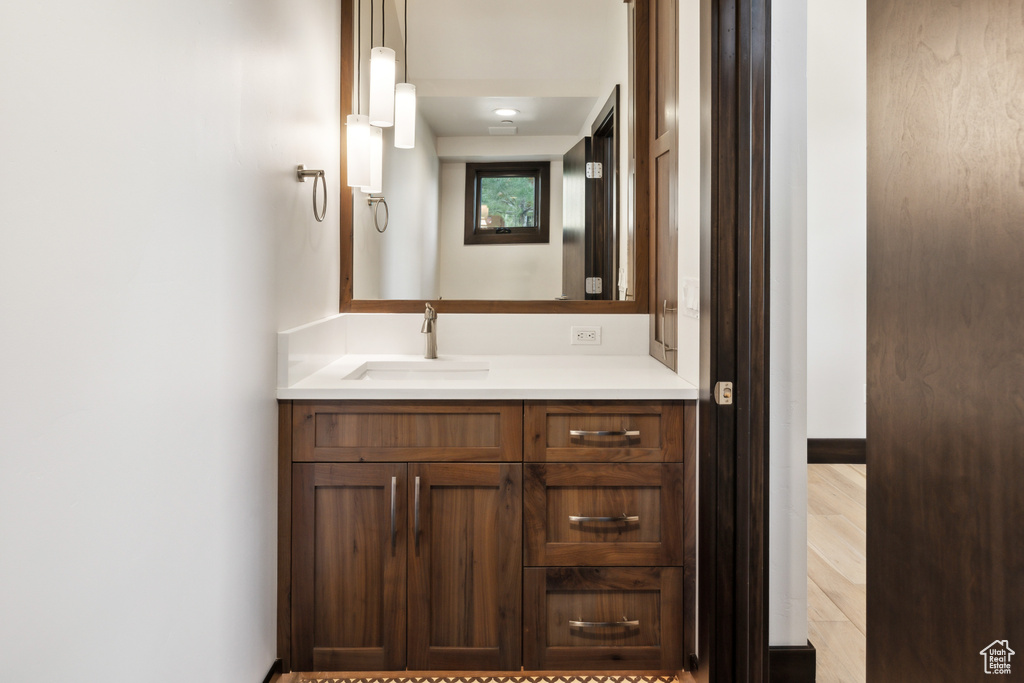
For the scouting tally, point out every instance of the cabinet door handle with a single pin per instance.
(627, 623)
(665, 348)
(416, 514)
(618, 432)
(394, 490)
(621, 518)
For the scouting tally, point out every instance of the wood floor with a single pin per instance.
(836, 548)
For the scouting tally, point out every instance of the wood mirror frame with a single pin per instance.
(639, 120)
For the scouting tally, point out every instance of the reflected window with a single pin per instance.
(508, 203)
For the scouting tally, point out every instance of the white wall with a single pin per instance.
(836, 218)
(489, 271)
(787, 535)
(148, 197)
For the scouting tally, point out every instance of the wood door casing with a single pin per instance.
(555, 595)
(652, 492)
(465, 582)
(349, 567)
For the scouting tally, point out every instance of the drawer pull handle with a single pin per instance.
(628, 623)
(394, 487)
(621, 518)
(620, 432)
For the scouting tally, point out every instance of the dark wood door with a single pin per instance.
(602, 231)
(465, 564)
(945, 427)
(576, 216)
(348, 567)
(664, 172)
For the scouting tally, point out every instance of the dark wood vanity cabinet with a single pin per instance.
(465, 560)
(414, 564)
(604, 499)
(349, 539)
(413, 535)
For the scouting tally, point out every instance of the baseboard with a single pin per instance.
(837, 451)
(793, 664)
(275, 668)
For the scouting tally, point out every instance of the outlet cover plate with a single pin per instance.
(585, 335)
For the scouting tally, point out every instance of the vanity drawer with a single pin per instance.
(399, 431)
(603, 514)
(602, 618)
(599, 431)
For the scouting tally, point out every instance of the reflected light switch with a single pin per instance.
(691, 297)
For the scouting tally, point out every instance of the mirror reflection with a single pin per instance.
(517, 103)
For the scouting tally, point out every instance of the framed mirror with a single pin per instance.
(492, 210)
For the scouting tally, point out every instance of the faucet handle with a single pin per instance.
(429, 313)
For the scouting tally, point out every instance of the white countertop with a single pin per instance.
(559, 377)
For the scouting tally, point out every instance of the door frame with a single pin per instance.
(732, 622)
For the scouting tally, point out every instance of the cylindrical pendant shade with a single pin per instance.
(405, 116)
(357, 136)
(375, 186)
(382, 87)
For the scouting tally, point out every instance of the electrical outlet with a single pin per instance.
(585, 335)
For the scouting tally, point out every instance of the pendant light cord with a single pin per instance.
(405, 49)
(383, 24)
(359, 55)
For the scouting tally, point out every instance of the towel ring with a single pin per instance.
(375, 202)
(301, 174)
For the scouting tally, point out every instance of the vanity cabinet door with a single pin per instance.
(349, 567)
(603, 514)
(465, 564)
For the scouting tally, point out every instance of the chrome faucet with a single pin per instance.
(430, 329)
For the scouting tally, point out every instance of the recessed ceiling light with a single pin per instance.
(506, 112)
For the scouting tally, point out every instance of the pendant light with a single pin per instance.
(405, 100)
(375, 185)
(382, 79)
(357, 133)
(357, 138)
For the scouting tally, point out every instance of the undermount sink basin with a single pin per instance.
(425, 370)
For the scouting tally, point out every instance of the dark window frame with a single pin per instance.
(541, 171)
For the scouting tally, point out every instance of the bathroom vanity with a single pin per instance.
(426, 528)
(530, 509)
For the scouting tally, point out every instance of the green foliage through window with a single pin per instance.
(510, 201)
